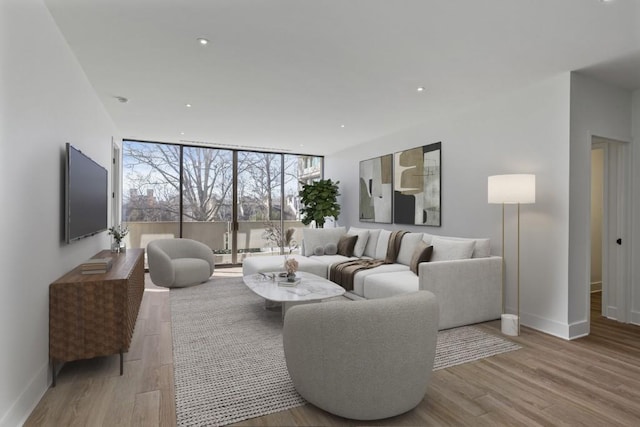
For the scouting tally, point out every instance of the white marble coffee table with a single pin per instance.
(311, 288)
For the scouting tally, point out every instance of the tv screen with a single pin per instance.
(86, 196)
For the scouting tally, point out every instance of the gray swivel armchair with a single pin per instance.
(363, 360)
(175, 263)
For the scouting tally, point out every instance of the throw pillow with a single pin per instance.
(422, 253)
(361, 243)
(408, 247)
(346, 245)
(446, 250)
(372, 242)
(318, 250)
(330, 249)
(314, 237)
(382, 244)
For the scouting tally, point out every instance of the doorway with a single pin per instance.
(610, 237)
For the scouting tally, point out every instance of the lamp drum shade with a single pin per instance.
(513, 188)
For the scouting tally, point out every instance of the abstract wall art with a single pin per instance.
(376, 189)
(416, 188)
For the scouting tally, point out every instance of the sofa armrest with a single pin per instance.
(468, 291)
(160, 266)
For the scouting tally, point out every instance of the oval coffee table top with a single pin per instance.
(310, 287)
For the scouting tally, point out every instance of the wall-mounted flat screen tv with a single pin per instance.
(86, 196)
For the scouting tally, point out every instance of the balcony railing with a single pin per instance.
(216, 235)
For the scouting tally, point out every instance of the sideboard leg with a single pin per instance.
(53, 371)
(121, 362)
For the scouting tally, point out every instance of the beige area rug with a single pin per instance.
(229, 362)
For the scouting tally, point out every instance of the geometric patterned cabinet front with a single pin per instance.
(94, 315)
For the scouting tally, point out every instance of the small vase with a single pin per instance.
(291, 277)
(115, 247)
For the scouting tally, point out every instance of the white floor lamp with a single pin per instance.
(511, 189)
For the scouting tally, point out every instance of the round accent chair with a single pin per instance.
(364, 360)
(176, 263)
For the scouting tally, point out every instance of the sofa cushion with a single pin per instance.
(408, 247)
(329, 260)
(318, 250)
(314, 237)
(386, 285)
(422, 253)
(481, 250)
(382, 244)
(346, 245)
(447, 249)
(359, 278)
(372, 242)
(363, 238)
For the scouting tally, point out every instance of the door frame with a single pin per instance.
(116, 181)
(616, 259)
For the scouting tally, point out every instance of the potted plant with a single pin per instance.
(118, 232)
(319, 200)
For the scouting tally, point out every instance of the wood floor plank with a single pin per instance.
(592, 381)
(122, 401)
(146, 409)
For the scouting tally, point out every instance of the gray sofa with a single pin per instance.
(462, 274)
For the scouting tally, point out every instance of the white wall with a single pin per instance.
(46, 101)
(635, 211)
(597, 109)
(525, 132)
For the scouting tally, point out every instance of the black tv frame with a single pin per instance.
(86, 195)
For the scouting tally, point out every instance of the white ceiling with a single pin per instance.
(286, 74)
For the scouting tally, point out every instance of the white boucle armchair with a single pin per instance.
(176, 263)
(364, 360)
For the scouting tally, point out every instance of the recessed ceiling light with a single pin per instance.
(420, 89)
(181, 133)
(341, 126)
(187, 105)
(203, 41)
(301, 145)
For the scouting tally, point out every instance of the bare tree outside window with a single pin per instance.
(152, 173)
(153, 189)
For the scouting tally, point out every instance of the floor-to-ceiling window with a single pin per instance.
(207, 198)
(150, 191)
(239, 203)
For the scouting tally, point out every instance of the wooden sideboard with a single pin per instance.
(93, 315)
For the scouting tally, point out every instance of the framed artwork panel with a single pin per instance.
(376, 189)
(416, 186)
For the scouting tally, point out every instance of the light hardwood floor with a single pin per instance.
(590, 381)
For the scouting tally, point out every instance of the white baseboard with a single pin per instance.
(635, 317)
(579, 329)
(612, 313)
(28, 399)
(551, 327)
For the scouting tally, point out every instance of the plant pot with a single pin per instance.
(118, 247)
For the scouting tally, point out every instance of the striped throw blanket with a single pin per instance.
(344, 272)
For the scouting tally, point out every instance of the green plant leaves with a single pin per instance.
(320, 200)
